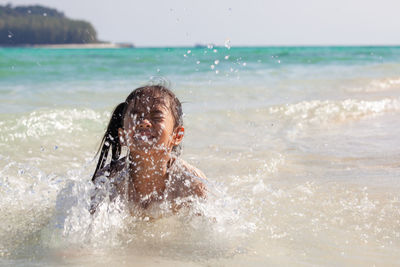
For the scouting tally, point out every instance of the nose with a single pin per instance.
(144, 123)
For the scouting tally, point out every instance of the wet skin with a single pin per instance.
(149, 132)
(149, 127)
(150, 136)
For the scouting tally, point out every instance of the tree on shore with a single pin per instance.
(27, 25)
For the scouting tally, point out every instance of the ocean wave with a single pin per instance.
(47, 122)
(322, 112)
(378, 85)
(386, 83)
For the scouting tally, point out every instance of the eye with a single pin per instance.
(158, 117)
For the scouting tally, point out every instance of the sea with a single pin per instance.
(300, 145)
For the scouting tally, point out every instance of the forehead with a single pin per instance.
(148, 103)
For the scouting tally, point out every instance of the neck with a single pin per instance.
(148, 176)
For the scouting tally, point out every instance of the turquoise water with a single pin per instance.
(300, 145)
(34, 72)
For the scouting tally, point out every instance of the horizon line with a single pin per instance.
(268, 45)
(196, 46)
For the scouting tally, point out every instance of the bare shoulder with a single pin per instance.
(192, 178)
(193, 170)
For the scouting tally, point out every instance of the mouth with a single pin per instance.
(144, 135)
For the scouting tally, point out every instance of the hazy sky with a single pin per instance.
(251, 22)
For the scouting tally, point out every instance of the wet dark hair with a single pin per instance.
(110, 142)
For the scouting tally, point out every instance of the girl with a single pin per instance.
(148, 127)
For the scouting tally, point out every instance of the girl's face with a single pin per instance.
(149, 126)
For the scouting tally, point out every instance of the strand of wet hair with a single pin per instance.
(110, 140)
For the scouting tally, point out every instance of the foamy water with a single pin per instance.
(300, 146)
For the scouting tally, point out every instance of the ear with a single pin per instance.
(178, 135)
(121, 136)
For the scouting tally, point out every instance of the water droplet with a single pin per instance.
(279, 62)
(45, 14)
(9, 36)
(226, 57)
(216, 62)
(212, 67)
(158, 70)
(228, 43)
(215, 50)
(217, 71)
(29, 11)
(244, 64)
(198, 62)
(184, 55)
(189, 51)
(210, 46)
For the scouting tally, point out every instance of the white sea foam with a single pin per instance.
(376, 85)
(388, 83)
(27, 195)
(48, 122)
(322, 112)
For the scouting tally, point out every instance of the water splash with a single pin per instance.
(227, 44)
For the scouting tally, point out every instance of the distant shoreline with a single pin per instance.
(129, 45)
(78, 46)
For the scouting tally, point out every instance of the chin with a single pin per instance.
(148, 149)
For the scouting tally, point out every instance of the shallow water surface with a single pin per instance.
(300, 147)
